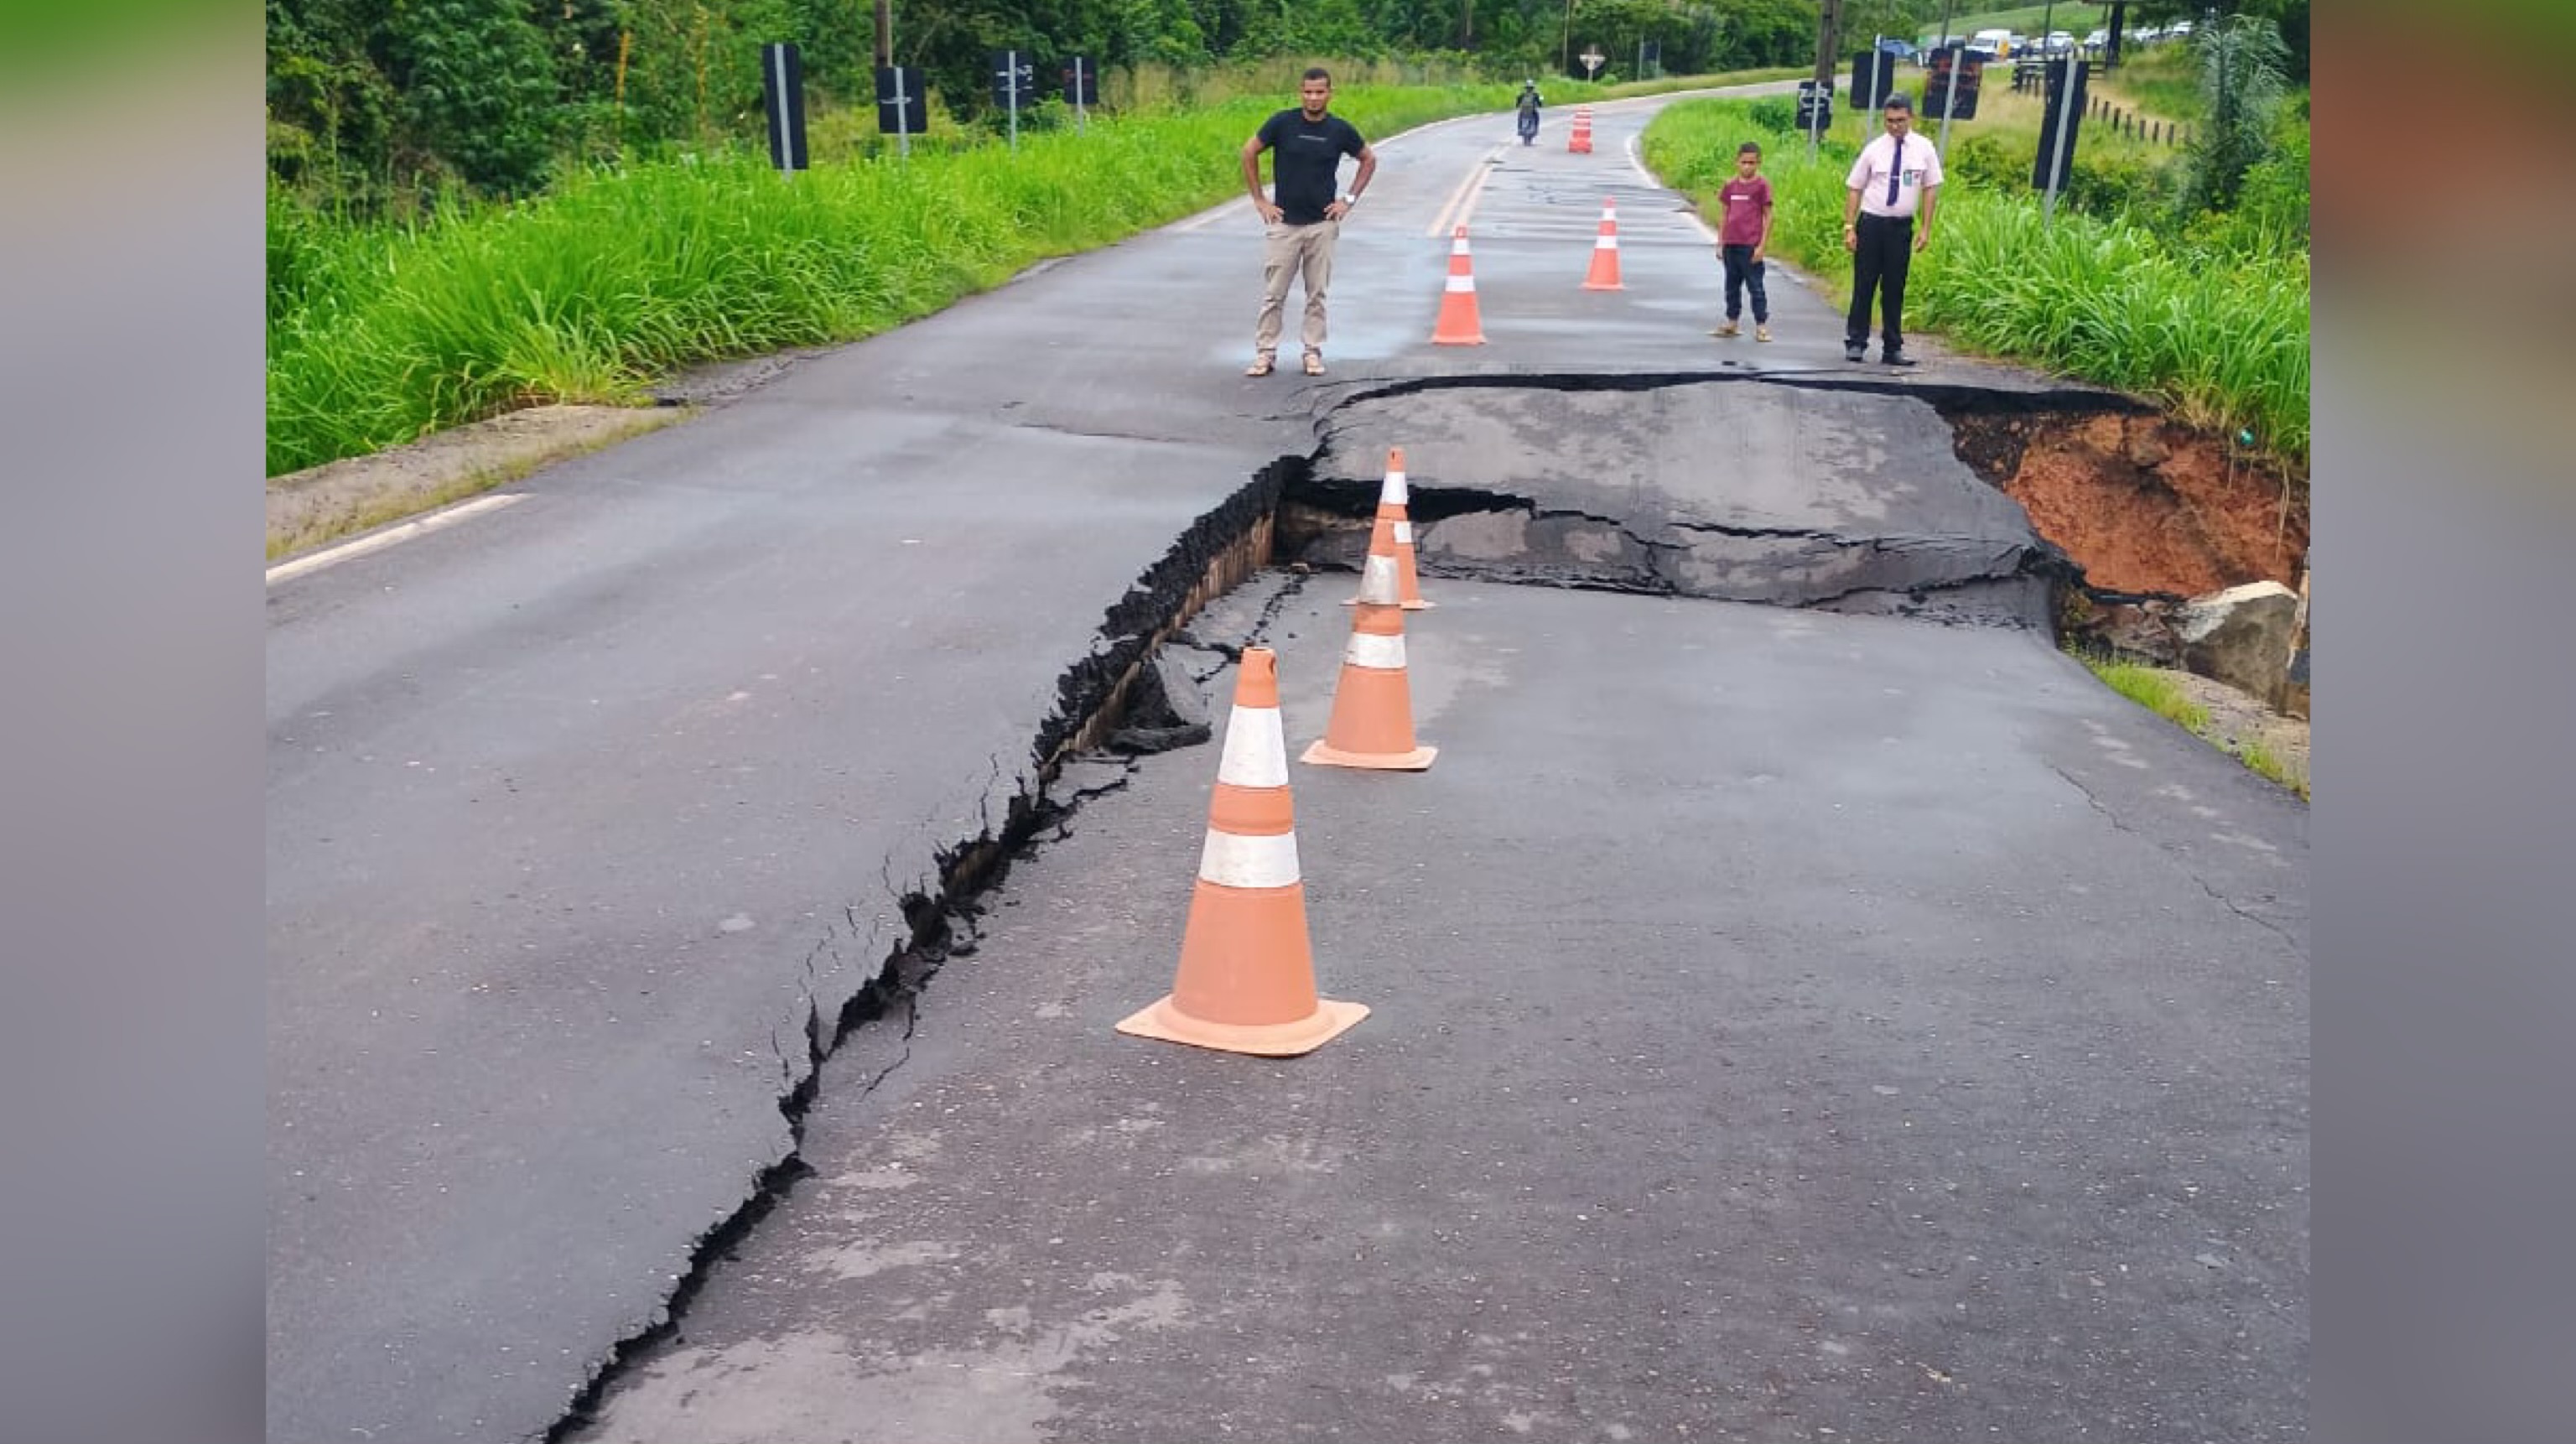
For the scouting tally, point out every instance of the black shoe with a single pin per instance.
(1854, 351)
(1893, 358)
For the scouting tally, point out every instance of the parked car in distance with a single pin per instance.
(2058, 43)
(2097, 42)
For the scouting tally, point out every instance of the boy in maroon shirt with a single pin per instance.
(1743, 235)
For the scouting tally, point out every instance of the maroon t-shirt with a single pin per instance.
(1743, 202)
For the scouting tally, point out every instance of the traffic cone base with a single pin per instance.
(1162, 1020)
(1372, 724)
(1417, 760)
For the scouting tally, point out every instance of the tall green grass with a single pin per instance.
(378, 336)
(2218, 336)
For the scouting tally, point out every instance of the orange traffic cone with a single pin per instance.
(1247, 975)
(1372, 722)
(1460, 324)
(1392, 536)
(1579, 140)
(1605, 251)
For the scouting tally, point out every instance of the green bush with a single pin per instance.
(1981, 162)
(2118, 187)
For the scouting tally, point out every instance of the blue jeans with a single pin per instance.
(1743, 273)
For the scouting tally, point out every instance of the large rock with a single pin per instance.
(2240, 636)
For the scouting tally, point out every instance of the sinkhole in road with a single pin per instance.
(2061, 507)
(2047, 509)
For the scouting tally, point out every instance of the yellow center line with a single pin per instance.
(1462, 201)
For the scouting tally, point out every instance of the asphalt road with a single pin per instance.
(1784, 1027)
(583, 811)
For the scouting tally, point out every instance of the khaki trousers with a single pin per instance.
(1288, 251)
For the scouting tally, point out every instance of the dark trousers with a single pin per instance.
(1743, 273)
(1883, 246)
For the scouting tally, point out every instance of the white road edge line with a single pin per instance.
(289, 571)
(1637, 162)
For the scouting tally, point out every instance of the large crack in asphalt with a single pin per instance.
(1314, 511)
(1111, 702)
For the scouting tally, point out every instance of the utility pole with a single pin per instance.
(1829, 34)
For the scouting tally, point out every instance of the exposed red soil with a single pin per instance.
(2144, 504)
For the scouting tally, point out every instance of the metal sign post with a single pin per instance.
(1081, 86)
(1012, 72)
(903, 104)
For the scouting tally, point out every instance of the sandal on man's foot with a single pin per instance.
(1314, 363)
(1262, 365)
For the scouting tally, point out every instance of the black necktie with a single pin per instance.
(1895, 168)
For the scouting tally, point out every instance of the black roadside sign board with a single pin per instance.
(782, 90)
(1952, 65)
(903, 100)
(2045, 174)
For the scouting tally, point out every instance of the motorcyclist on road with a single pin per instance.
(1528, 107)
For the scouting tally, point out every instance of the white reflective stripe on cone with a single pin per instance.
(1462, 283)
(1608, 243)
(1404, 533)
(1392, 494)
(1256, 749)
(1232, 860)
(1377, 653)
(1377, 582)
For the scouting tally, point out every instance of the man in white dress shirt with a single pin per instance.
(1887, 216)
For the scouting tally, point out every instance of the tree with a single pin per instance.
(2241, 64)
(478, 88)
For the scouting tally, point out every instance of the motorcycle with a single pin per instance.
(1529, 127)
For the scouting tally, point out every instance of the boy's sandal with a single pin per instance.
(1314, 364)
(1262, 365)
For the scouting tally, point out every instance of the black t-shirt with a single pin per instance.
(1305, 160)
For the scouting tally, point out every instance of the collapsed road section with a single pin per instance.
(1775, 1019)
(1836, 498)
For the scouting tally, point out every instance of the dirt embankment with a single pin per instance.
(2146, 506)
(2154, 512)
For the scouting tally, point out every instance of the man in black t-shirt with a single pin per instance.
(1304, 212)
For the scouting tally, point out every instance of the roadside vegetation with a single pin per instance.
(381, 333)
(2158, 692)
(2178, 274)
(476, 205)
